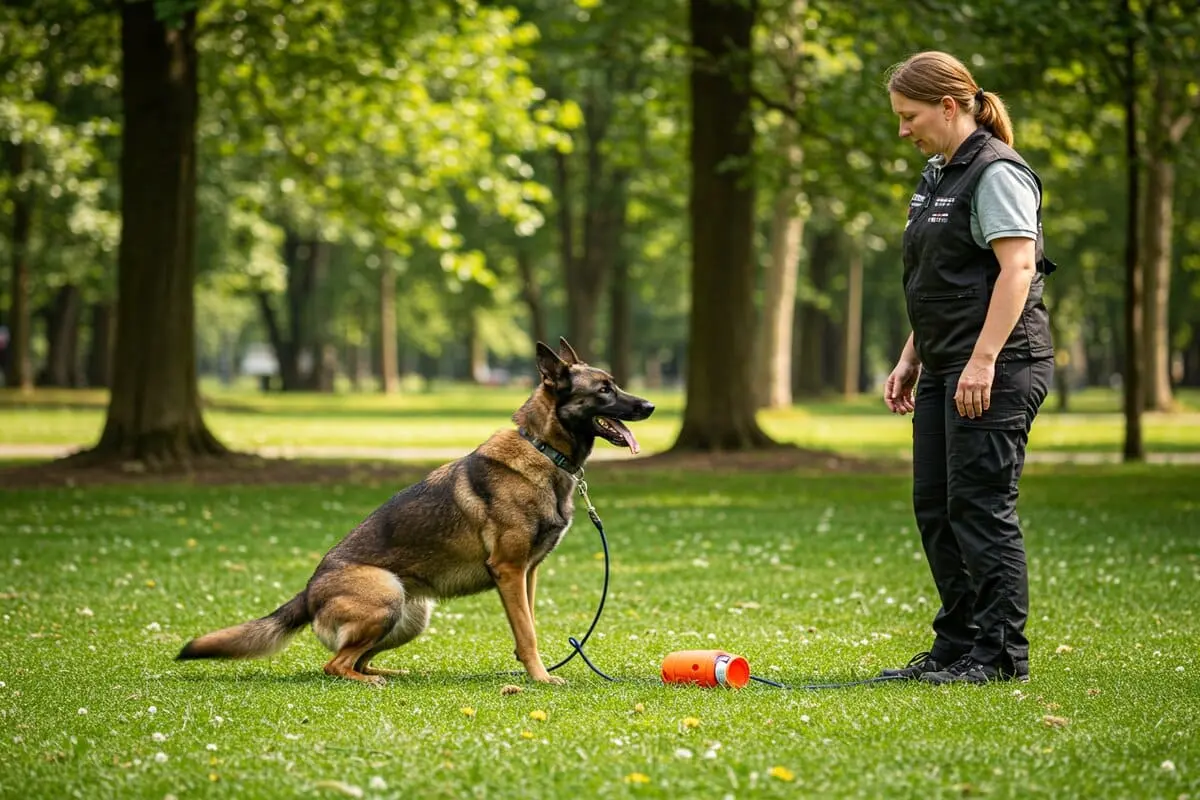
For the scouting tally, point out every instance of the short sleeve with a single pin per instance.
(1006, 202)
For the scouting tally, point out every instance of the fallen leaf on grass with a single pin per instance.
(511, 689)
(341, 787)
(1051, 721)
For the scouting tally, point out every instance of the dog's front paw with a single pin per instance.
(553, 680)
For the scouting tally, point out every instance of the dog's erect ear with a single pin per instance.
(567, 353)
(552, 368)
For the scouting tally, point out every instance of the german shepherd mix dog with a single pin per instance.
(487, 519)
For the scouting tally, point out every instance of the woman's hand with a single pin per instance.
(974, 393)
(898, 391)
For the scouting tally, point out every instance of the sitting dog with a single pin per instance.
(485, 520)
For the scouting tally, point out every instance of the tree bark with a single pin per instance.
(62, 338)
(812, 371)
(1134, 449)
(1157, 228)
(532, 292)
(99, 361)
(477, 353)
(1156, 265)
(587, 269)
(852, 357)
(20, 327)
(787, 226)
(389, 365)
(779, 303)
(154, 409)
(720, 405)
(620, 349)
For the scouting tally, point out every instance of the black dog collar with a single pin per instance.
(560, 460)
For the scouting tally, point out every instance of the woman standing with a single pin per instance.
(980, 343)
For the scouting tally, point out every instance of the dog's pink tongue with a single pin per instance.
(631, 440)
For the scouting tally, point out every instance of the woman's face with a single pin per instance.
(927, 124)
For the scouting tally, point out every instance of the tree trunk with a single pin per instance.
(852, 357)
(587, 272)
(1191, 364)
(812, 370)
(389, 365)
(1134, 449)
(532, 292)
(779, 303)
(99, 361)
(1156, 267)
(154, 409)
(62, 337)
(19, 364)
(281, 345)
(719, 413)
(477, 353)
(304, 360)
(1156, 238)
(620, 350)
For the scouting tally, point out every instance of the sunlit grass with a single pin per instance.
(456, 418)
(810, 577)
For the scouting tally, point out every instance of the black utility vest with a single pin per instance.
(948, 278)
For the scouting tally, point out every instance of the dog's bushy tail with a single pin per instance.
(253, 639)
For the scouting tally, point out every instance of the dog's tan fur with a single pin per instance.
(485, 520)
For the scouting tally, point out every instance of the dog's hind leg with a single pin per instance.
(414, 617)
(358, 608)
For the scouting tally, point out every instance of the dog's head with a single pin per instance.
(588, 402)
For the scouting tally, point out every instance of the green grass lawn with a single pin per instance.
(458, 417)
(810, 577)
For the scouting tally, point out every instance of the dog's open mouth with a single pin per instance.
(617, 433)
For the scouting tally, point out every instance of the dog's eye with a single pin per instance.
(605, 389)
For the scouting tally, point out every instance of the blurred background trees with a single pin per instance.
(369, 196)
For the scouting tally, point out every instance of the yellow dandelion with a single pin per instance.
(782, 773)
(639, 708)
(637, 777)
(691, 722)
(192, 542)
(467, 711)
(214, 777)
(526, 734)
(538, 715)
(150, 584)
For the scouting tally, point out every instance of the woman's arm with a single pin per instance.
(1017, 257)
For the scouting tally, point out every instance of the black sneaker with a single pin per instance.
(968, 670)
(918, 665)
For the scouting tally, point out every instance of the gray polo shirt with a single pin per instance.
(1005, 202)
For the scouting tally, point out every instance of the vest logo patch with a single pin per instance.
(917, 199)
(943, 202)
(939, 216)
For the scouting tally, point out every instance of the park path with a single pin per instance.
(22, 451)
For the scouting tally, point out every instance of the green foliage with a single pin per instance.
(59, 101)
(424, 135)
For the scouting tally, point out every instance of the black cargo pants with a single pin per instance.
(965, 475)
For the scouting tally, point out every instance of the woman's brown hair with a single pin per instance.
(928, 77)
